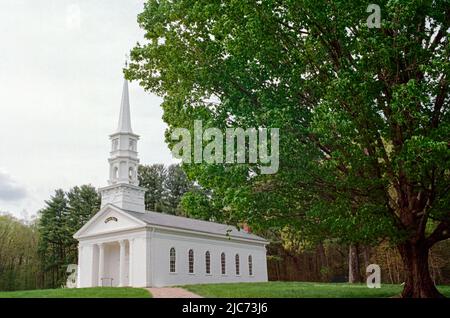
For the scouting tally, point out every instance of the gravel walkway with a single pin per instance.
(172, 292)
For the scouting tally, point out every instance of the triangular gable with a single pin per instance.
(109, 219)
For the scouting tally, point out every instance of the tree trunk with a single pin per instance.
(354, 275)
(418, 282)
(366, 261)
(323, 266)
(366, 256)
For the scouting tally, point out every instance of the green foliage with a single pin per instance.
(152, 178)
(165, 187)
(176, 185)
(64, 214)
(363, 113)
(19, 261)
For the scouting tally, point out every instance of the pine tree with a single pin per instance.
(53, 238)
(64, 214)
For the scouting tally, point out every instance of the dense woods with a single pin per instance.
(20, 266)
(330, 263)
(35, 254)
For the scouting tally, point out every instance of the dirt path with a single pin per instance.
(172, 292)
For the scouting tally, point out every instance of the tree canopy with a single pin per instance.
(363, 112)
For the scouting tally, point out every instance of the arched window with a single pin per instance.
(131, 173)
(222, 263)
(116, 173)
(250, 265)
(115, 144)
(132, 145)
(191, 261)
(236, 259)
(172, 260)
(208, 262)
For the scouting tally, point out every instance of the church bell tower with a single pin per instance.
(123, 188)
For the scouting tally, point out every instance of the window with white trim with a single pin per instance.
(172, 260)
(191, 261)
(208, 262)
(222, 263)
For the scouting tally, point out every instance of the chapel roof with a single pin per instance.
(179, 222)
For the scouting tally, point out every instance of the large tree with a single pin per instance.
(63, 215)
(53, 238)
(363, 113)
(83, 202)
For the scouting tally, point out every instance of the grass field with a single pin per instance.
(99, 292)
(298, 290)
(239, 290)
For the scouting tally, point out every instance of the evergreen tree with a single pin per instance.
(83, 204)
(165, 187)
(53, 240)
(64, 214)
(152, 178)
(176, 184)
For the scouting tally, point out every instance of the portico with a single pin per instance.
(113, 263)
(113, 250)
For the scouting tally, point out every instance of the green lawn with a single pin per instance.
(239, 290)
(298, 290)
(98, 292)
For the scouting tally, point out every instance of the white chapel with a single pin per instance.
(125, 245)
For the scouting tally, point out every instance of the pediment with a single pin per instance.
(109, 219)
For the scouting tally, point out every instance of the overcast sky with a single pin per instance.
(60, 88)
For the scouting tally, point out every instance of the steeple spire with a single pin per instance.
(123, 190)
(124, 118)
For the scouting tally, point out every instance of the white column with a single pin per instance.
(80, 253)
(122, 263)
(130, 263)
(101, 263)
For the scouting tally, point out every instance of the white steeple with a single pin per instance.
(123, 190)
(124, 117)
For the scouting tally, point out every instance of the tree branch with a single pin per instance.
(440, 233)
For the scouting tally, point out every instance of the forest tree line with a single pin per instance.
(35, 254)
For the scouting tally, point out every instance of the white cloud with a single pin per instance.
(10, 189)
